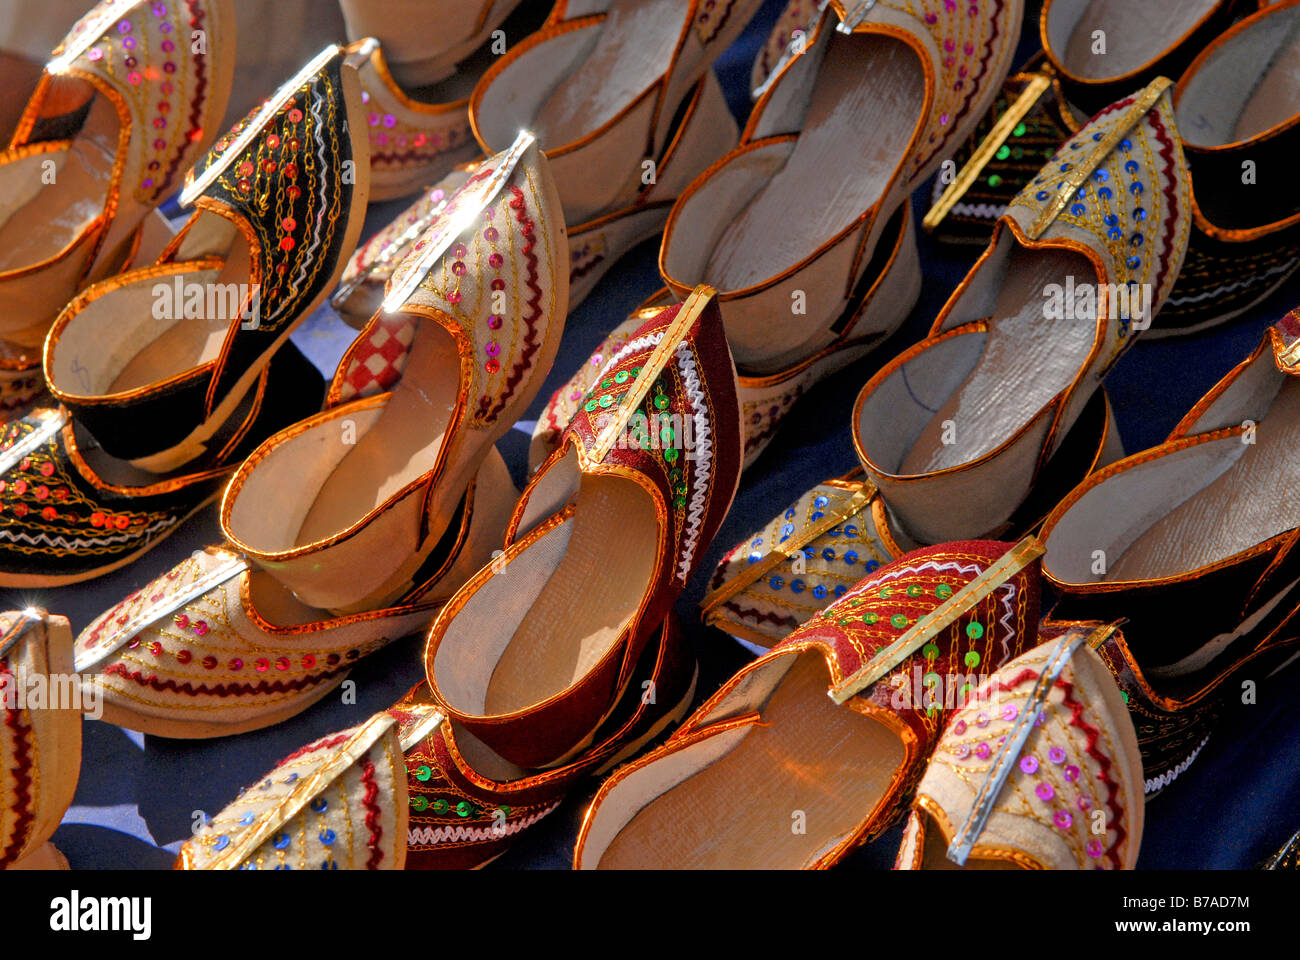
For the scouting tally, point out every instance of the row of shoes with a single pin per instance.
(905, 668)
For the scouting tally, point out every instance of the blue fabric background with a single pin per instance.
(139, 796)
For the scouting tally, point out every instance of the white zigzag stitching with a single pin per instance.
(1235, 285)
(1168, 777)
(703, 457)
(632, 346)
(77, 543)
(436, 835)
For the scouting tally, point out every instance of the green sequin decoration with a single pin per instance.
(869, 619)
(671, 454)
(899, 620)
(995, 180)
(972, 659)
(621, 376)
(591, 406)
(465, 808)
(667, 436)
(1019, 131)
(974, 631)
(943, 591)
(423, 773)
(930, 679)
(885, 593)
(420, 804)
(440, 806)
(931, 651)
(606, 384)
(607, 401)
(1003, 152)
(914, 590)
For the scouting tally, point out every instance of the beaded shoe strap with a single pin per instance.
(1004, 760)
(947, 613)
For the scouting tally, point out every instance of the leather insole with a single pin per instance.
(190, 341)
(1135, 34)
(809, 755)
(402, 444)
(57, 213)
(862, 114)
(586, 603)
(1276, 98)
(1027, 360)
(1256, 498)
(635, 46)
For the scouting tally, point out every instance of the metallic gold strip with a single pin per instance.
(1018, 110)
(1004, 760)
(1291, 355)
(774, 558)
(690, 311)
(25, 620)
(431, 720)
(943, 616)
(1143, 102)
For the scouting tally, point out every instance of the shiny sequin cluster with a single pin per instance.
(48, 507)
(1061, 778)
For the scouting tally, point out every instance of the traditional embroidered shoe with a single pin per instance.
(845, 269)
(1203, 515)
(957, 430)
(125, 105)
(810, 554)
(1232, 105)
(602, 93)
(771, 773)
(344, 507)
(439, 812)
(338, 803)
(1039, 770)
(1236, 108)
(69, 512)
(217, 646)
(705, 131)
(40, 750)
(654, 455)
(468, 805)
(281, 199)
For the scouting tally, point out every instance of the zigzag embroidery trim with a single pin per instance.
(648, 342)
(431, 836)
(703, 457)
(1235, 285)
(78, 543)
(1169, 776)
